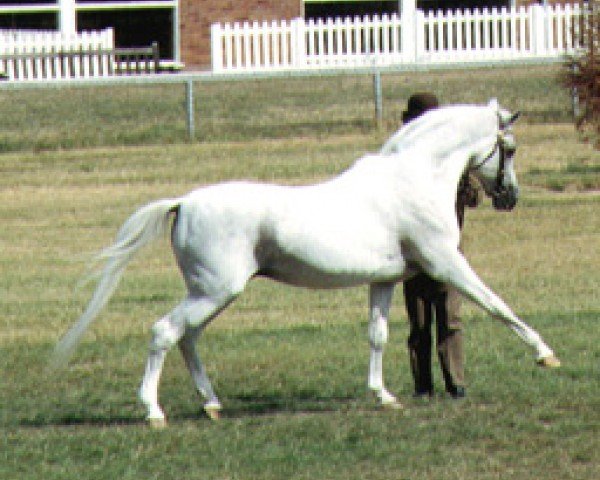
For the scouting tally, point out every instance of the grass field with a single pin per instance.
(265, 109)
(289, 364)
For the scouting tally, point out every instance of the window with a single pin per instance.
(460, 4)
(315, 9)
(331, 9)
(133, 28)
(28, 21)
(136, 23)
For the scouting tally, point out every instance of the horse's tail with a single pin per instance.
(144, 226)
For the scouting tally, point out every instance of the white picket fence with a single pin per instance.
(40, 55)
(415, 38)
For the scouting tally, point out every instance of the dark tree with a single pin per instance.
(583, 75)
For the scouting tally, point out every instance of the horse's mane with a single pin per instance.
(425, 131)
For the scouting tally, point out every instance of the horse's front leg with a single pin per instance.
(380, 297)
(451, 267)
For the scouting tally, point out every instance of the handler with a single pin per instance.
(427, 298)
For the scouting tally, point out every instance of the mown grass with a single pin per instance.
(280, 108)
(290, 364)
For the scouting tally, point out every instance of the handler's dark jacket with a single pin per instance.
(427, 298)
(468, 195)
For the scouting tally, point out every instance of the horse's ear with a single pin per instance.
(493, 103)
(515, 116)
(506, 119)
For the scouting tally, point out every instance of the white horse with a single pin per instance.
(387, 217)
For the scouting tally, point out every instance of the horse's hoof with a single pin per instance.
(213, 411)
(157, 423)
(549, 362)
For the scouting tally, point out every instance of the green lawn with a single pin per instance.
(255, 110)
(289, 364)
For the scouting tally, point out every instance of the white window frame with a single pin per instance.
(66, 11)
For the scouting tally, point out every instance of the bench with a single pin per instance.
(68, 64)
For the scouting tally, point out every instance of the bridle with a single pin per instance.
(500, 194)
(501, 148)
(504, 198)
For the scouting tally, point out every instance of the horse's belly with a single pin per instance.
(320, 280)
(337, 271)
(327, 247)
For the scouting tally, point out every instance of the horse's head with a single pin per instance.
(494, 167)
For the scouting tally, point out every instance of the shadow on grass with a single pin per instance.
(267, 405)
(88, 420)
(239, 407)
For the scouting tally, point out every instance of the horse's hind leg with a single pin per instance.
(187, 346)
(167, 332)
(380, 297)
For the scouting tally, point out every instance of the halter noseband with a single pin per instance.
(499, 145)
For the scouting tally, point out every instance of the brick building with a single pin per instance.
(182, 27)
(196, 16)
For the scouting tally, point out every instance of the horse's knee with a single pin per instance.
(165, 334)
(378, 332)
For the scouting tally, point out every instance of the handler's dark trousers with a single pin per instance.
(426, 300)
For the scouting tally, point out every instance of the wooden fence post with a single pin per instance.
(67, 17)
(408, 17)
(538, 25)
(216, 44)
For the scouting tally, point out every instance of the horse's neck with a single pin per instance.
(447, 172)
(444, 142)
(442, 163)
(441, 132)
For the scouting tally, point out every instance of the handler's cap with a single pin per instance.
(418, 104)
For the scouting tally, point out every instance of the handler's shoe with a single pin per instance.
(423, 395)
(458, 393)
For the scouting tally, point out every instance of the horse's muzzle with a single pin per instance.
(505, 198)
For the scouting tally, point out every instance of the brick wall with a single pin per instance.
(196, 17)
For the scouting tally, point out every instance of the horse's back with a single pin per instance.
(343, 231)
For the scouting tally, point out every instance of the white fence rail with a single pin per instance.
(39, 55)
(462, 36)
